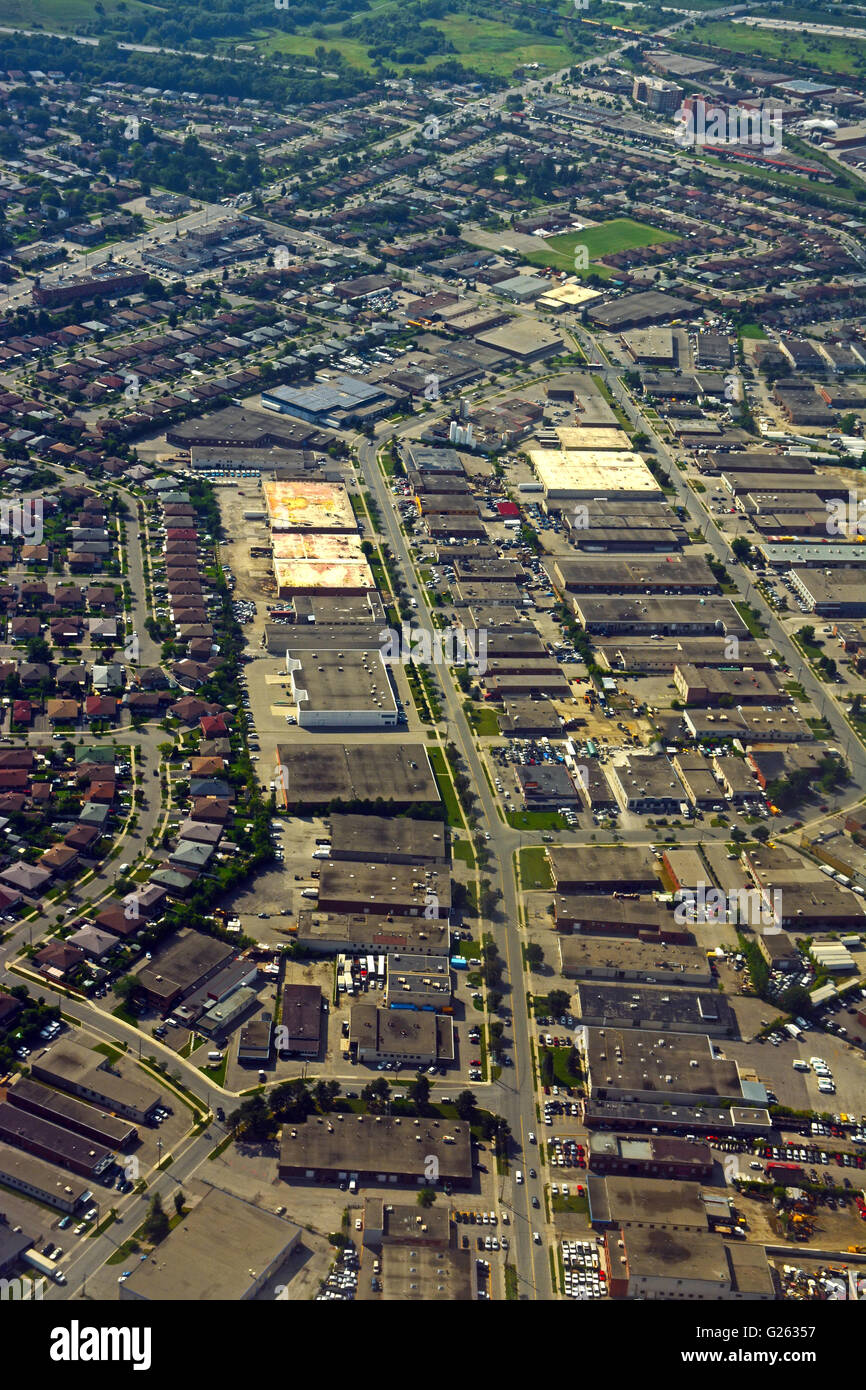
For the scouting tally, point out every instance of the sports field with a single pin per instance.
(620, 234)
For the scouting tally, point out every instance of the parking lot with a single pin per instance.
(799, 1090)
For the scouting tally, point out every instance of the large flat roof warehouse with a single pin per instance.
(579, 869)
(625, 1201)
(191, 1264)
(363, 931)
(380, 887)
(377, 1144)
(341, 687)
(522, 338)
(322, 576)
(649, 1065)
(296, 504)
(392, 839)
(342, 395)
(338, 547)
(632, 310)
(398, 773)
(568, 474)
(623, 958)
(654, 1006)
(592, 437)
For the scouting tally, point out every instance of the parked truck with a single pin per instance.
(43, 1265)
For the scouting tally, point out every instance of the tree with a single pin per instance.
(741, 548)
(252, 1118)
(126, 987)
(419, 1090)
(325, 1093)
(557, 1002)
(466, 1105)
(534, 956)
(179, 1201)
(156, 1225)
(377, 1093)
(426, 1197)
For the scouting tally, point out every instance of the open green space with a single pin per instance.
(605, 239)
(462, 849)
(65, 16)
(482, 720)
(442, 774)
(536, 820)
(834, 56)
(534, 868)
(485, 45)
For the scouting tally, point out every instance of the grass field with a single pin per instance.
(446, 787)
(483, 45)
(534, 868)
(65, 16)
(536, 820)
(752, 330)
(831, 55)
(620, 234)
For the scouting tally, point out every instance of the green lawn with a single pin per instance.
(484, 45)
(463, 850)
(752, 330)
(536, 820)
(446, 787)
(483, 721)
(66, 16)
(534, 868)
(835, 56)
(217, 1073)
(605, 239)
(488, 46)
(573, 1202)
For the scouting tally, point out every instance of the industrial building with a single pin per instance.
(300, 1027)
(633, 962)
(74, 1068)
(319, 562)
(656, 1263)
(647, 783)
(297, 504)
(43, 1181)
(634, 1005)
(53, 1143)
(190, 1265)
(371, 772)
(633, 1064)
(362, 932)
(376, 1149)
(587, 869)
(655, 1157)
(412, 1038)
(568, 475)
(341, 690)
(336, 402)
(388, 839)
(402, 889)
(65, 1110)
(418, 982)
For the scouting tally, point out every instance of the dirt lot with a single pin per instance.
(833, 1230)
